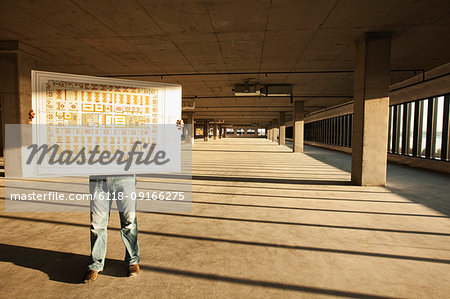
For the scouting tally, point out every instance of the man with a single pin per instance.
(104, 190)
(121, 188)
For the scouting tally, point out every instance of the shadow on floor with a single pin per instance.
(70, 268)
(253, 145)
(59, 266)
(336, 159)
(423, 186)
(246, 151)
(317, 210)
(259, 283)
(248, 179)
(109, 269)
(305, 224)
(426, 187)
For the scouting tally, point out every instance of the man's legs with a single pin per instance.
(129, 233)
(126, 186)
(100, 209)
(123, 190)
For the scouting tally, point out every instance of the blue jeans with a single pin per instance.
(102, 188)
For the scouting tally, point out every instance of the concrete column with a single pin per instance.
(215, 131)
(298, 126)
(191, 128)
(245, 131)
(235, 131)
(15, 83)
(282, 128)
(16, 62)
(275, 130)
(220, 132)
(371, 109)
(206, 131)
(269, 133)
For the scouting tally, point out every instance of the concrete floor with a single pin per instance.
(265, 223)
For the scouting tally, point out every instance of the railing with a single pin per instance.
(333, 131)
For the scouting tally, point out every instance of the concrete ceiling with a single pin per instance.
(187, 39)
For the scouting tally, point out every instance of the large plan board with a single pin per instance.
(76, 112)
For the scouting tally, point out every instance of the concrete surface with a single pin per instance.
(135, 37)
(266, 222)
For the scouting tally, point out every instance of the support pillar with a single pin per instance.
(282, 128)
(275, 131)
(16, 62)
(220, 132)
(298, 126)
(215, 131)
(371, 109)
(191, 128)
(269, 133)
(206, 131)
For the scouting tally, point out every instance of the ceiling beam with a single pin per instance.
(264, 97)
(312, 72)
(249, 108)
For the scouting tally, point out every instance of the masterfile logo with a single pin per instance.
(53, 150)
(69, 157)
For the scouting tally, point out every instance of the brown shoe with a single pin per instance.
(133, 270)
(91, 275)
